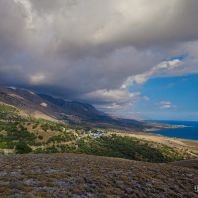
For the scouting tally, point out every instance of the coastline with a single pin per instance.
(177, 143)
(161, 126)
(174, 129)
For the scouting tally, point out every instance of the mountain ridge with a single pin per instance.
(74, 112)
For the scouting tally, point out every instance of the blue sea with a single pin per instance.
(188, 132)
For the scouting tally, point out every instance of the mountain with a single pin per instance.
(49, 107)
(74, 108)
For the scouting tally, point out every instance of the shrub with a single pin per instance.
(117, 146)
(22, 147)
(40, 137)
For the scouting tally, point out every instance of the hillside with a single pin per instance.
(72, 112)
(22, 134)
(72, 175)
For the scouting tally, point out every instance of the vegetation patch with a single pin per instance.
(25, 135)
(22, 147)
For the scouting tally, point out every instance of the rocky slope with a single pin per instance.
(73, 112)
(72, 175)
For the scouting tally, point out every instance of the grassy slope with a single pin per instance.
(25, 135)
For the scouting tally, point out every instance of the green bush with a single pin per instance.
(40, 137)
(117, 146)
(22, 147)
(66, 137)
(9, 113)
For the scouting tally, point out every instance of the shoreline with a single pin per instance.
(174, 142)
(162, 126)
(172, 130)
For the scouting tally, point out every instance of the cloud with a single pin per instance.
(166, 105)
(37, 79)
(113, 97)
(146, 98)
(92, 50)
(161, 68)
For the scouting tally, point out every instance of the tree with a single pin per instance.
(22, 147)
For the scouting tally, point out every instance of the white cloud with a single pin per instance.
(146, 98)
(37, 79)
(160, 69)
(166, 105)
(28, 12)
(117, 102)
(116, 96)
(43, 104)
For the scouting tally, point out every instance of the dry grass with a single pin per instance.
(72, 175)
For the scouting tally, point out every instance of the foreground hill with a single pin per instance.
(72, 175)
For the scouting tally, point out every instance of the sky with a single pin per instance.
(170, 98)
(129, 58)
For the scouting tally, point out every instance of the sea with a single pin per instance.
(190, 131)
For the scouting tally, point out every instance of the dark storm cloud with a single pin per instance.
(89, 49)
